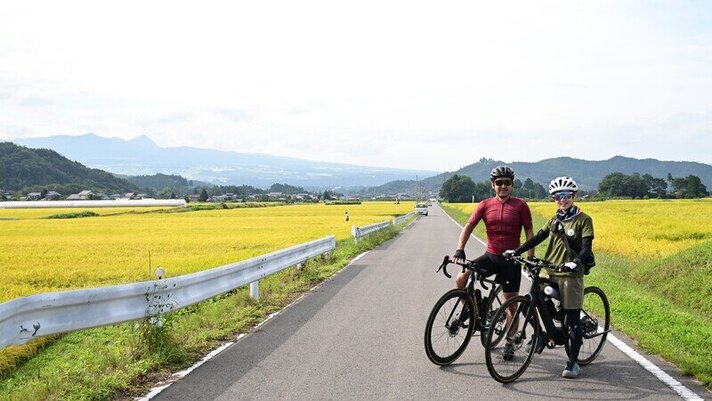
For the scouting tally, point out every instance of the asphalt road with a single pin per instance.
(360, 336)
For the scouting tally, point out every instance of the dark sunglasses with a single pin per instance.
(562, 195)
(501, 183)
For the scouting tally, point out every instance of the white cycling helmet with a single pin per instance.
(562, 183)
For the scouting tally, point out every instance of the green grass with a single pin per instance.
(86, 213)
(664, 304)
(125, 360)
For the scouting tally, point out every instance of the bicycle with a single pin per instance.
(459, 313)
(538, 312)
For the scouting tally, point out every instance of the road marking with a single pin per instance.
(178, 375)
(678, 387)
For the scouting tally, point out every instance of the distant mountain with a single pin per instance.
(140, 156)
(34, 168)
(586, 173)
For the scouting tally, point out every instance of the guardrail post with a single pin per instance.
(255, 290)
(356, 233)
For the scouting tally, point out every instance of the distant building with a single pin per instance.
(52, 195)
(32, 196)
(86, 194)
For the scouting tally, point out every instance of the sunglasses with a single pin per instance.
(565, 195)
(501, 183)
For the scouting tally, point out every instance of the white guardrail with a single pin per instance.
(25, 318)
(358, 232)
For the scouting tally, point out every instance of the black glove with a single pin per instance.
(459, 254)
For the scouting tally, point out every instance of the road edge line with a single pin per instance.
(160, 386)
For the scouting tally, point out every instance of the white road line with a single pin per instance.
(178, 375)
(678, 387)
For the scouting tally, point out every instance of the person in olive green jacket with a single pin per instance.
(571, 236)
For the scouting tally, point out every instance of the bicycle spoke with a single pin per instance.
(508, 359)
(449, 327)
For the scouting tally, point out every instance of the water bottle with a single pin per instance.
(551, 292)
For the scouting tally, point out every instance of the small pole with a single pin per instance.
(255, 290)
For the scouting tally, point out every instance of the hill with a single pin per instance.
(25, 168)
(141, 156)
(586, 172)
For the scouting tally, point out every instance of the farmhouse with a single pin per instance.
(52, 195)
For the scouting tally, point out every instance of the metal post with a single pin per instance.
(255, 290)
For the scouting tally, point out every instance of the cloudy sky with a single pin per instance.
(432, 85)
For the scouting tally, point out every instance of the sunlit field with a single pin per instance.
(644, 228)
(638, 228)
(40, 255)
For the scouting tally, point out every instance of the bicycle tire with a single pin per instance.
(443, 344)
(494, 302)
(595, 318)
(501, 369)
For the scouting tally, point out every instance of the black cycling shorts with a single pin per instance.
(508, 272)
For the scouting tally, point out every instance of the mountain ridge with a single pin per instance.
(141, 156)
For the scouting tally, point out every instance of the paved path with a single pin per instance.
(360, 336)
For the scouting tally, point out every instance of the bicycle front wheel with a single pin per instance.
(495, 299)
(595, 320)
(508, 359)
(449, 327)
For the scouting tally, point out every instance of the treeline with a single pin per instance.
(461, 188)
(25, 169)
(646, 186)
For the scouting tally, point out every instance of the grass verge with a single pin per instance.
(663, 304)
(123, 361)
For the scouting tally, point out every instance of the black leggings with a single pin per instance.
(573, 319)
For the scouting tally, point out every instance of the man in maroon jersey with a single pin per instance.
(504, 217)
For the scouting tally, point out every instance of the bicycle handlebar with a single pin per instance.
(535, 263)
(468, 264)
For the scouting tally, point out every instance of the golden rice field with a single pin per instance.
(639, 228)
(41, 255)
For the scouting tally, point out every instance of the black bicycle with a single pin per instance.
(539, 322)
(459, 313)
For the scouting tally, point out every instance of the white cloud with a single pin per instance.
(399, 84)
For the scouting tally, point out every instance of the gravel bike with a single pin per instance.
(459, 313)
(539, 322)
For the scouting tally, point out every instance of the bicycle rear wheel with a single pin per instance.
(595, 320)
(449, 327)
(494, 302)
(508, 359)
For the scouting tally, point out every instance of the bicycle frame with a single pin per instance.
(476, 294)
(477, 274)
(537, 298)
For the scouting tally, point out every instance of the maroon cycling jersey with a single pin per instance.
(503, 222)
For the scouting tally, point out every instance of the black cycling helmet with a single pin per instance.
(501, 171)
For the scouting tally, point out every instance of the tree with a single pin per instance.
(695, 187)
(619, 184)
(203, 195)
(458, 188)
(613, 184)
